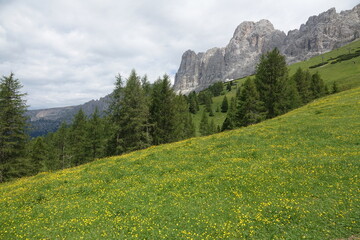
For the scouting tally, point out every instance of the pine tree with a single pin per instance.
(38, 155)
(146, 86)
(184, 126)
(79, 143)
(293, 97)
(162, 112)
(250, 109)
(12, 128)
(272, 83)
(224, 105)
(212, 127)
(193, 103)
(61, 148)
(230, 120)
(204, 127)
(133, 116)
(303, 80)
(115, 102)
(318, 88)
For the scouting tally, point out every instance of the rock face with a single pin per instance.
(238, 59)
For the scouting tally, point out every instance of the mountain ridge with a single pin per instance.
(43, 121)
(320, 34)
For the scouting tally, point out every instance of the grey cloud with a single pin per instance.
(68, 52)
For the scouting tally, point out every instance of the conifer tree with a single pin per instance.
(212, 127)
(146, 86)
(230, 120)
(271, 81)
(193, 102)
(61, 147)
(303, 80)
(224, 105)
(204, 127)
(163, 112)
(38, 156)
(116, 97)
(12, 128)
(133, 115)
(79, 143)
(250, 109)
(184, 126)
(293, 97)
(317, 87)
(95, 135)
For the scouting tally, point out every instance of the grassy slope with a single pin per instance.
(346, 74)
(292, 177)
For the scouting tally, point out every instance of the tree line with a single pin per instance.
(141, 114)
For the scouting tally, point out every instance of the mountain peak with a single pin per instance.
(238, 59)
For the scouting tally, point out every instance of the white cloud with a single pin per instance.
(68, 52)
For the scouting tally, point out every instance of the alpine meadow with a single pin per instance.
(292, 176)
(257, 137)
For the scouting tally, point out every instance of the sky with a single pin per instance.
(68, 52)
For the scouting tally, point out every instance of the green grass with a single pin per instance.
(346, 74)
(296, 176)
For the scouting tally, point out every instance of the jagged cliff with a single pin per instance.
(319, 34)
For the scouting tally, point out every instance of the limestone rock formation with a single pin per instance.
(320, 34)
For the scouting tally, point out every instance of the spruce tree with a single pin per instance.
(184, 126)
(162, 112)
(272, 83)
(61, 148)
(224, 105)
(318, 88)
(302, 80)
(38, 156)
(132, 121)
(230, 120)
(193, 103)
(212, 127)
(250, 109)
(79, 143)
(12, 128)
(204, 127)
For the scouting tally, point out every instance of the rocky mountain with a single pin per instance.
(238, 59)
(44, 121)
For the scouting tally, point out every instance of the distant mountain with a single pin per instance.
(43, 121)
(320, 34)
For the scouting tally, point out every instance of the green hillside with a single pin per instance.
(293, 177)
(346, 74)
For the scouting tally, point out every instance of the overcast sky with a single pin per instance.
(68, 52)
